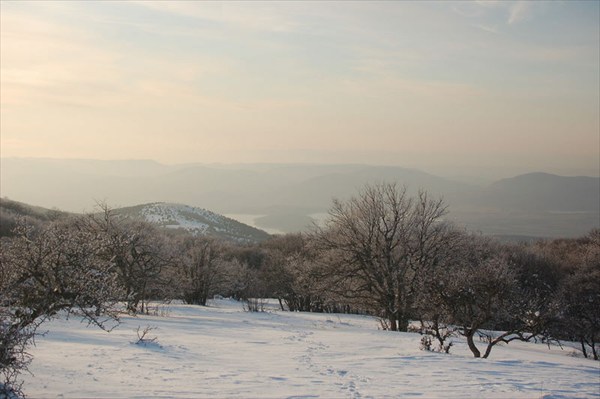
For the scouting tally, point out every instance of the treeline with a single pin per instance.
(382, 253)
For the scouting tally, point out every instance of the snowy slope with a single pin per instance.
(223, 352)
(197, 221)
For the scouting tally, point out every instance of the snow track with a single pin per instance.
(314, 359)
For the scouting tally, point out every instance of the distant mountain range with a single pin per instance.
(543, 191)
(289, 198)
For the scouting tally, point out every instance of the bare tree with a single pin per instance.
(201, 271)
(246, 283)
(304, 291)
(289, 271)
(377, 244)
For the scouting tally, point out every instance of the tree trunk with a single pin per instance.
(399, 315)
(402, 321)
(488, 350)
(393, 323)
(583, 348)
(469, 334)
(438, 335)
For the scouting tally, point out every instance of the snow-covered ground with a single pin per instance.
(223, 352)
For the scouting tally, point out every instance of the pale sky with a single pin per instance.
(441, 86)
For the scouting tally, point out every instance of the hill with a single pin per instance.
(12, 211)
(187, 219)
(195, 221)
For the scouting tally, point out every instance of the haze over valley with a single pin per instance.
(282, 198)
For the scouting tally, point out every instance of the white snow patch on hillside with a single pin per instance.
(178, 216)
(223, 352)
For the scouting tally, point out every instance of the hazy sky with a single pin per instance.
(438, 85)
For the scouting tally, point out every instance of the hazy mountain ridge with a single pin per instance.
(285, 195)
(544, 191)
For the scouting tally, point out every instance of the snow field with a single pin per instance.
(221, 351)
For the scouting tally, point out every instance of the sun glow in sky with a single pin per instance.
(445, 85)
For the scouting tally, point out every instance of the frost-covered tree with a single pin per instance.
(56, 268)
(581, 300)
(579, 290)
(139, 251)
(492, 293)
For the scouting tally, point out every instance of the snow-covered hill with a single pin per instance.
(223, 352)
(196, 221)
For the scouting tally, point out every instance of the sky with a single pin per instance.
(448, 87)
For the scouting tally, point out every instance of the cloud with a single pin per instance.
(259, 17)
(468, 9)
(42, 60)
(519, 11)
(45, 63)
(487, 28)
(485, 10)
